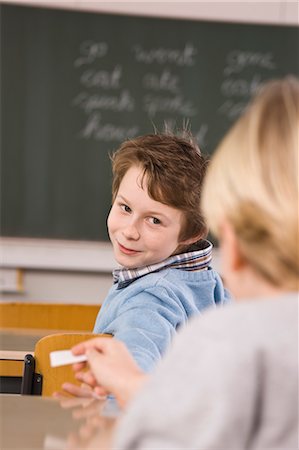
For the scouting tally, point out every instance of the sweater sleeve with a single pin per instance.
(146, 324)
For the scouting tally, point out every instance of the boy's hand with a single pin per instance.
(112, 368)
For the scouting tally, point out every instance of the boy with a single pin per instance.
(157, 232)
(158, 237)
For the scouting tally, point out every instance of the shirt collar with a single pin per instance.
(192, 261)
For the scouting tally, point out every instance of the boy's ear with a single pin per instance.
(191, 240)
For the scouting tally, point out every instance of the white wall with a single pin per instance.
(254, 11)
(55, 270)
(81, 272)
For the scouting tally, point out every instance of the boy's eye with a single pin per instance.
(125, 208)
(155, 221)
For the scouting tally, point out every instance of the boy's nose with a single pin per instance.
(131, 232)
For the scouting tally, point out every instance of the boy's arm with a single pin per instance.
(146, 324)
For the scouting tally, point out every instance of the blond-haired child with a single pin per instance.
(230, 379)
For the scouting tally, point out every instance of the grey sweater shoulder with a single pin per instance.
(229, 381)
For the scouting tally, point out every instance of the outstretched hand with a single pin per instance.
(110, 369)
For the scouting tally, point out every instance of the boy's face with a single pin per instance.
(142, 230)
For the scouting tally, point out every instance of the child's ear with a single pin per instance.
(230, 247)
(191, 240)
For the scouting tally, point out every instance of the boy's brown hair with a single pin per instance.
(174, 169)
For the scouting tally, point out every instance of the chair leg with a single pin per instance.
(27, 380)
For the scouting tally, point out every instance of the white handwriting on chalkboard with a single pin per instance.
(165, 81)
(240, 87)
(238, 60)
(118, 103)
(90, 51)
(102, 78)
(237, 86)
(95, 129)
(179, 57)
(177, 104)
(232, 109)
(104, 89)
(237, 91)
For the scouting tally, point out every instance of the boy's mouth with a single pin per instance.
(127, 251)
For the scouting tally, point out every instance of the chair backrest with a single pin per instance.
(39, 377)
(49, 316)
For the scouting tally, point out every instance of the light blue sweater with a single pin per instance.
(146, 314)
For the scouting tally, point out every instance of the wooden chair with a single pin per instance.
(39, 378)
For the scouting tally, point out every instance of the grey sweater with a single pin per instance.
(230, 381)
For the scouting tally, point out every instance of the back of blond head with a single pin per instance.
(252, 182)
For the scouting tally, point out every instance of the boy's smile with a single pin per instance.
(142, 230)
(127, 251)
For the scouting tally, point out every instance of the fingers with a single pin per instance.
(87, 378)
(101, 344)
(94, 361)
(100, 392)
(77, 367)
(79, 348)
(101, 371)
(110, 363)
(77, 391)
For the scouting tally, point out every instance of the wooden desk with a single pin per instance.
(36, 423)
(23, 339)
(14, 345)
(11, 370)
(12, 362)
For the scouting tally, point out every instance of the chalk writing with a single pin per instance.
(109, 95)
(238, 60)
(232, 109)
(102, 78)
(90, 51)
(105, 89)
(98, 130)
(177, 104)
(243, 74)
(121, 102)
(164, 81)
(157, 84)
(160, 55)
(240, 86)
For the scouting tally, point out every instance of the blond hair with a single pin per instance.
(252, 182)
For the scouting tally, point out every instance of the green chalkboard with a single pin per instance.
(76, 84)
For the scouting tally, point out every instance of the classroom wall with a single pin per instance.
(249, 11)
(82, 277)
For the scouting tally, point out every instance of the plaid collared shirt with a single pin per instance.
(193, 261)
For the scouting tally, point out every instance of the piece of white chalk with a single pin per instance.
(64, 357)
